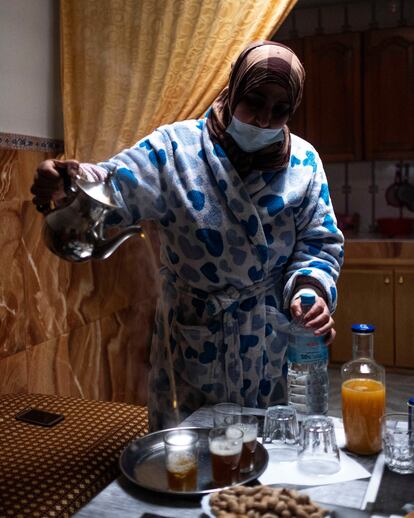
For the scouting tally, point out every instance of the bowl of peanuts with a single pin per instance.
(261, 502)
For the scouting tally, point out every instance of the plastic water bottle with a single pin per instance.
(410, 408)
(308, 381)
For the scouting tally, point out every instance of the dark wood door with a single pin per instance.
(389, 93)
(333, 95)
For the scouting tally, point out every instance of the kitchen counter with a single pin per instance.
(376, 251)
(372, 236)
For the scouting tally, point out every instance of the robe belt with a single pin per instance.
(226, 302)
(227, 299)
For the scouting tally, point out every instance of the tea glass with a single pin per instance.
(281, 432)
(225, 445)
(224, 413)
(249, 426)
(181, 452)
(319, 452)
(398, 443)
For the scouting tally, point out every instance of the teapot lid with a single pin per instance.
(103, 192)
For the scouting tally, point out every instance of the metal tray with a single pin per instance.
(143, 463)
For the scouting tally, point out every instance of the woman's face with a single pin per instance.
(265, 107)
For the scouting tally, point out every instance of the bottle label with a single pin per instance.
(307, 349)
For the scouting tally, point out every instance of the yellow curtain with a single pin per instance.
(129, 66)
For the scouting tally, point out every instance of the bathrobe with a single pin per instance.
(231, 253)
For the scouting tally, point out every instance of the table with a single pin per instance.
(122, 499)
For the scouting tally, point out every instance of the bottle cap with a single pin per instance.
(411, 401)
(307, 300)
(363, 328)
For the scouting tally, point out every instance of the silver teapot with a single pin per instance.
(75, 231)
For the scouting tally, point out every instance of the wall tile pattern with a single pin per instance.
(69, 329)
(362, 190)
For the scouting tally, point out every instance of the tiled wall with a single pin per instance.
(358, 187)
(68, 329)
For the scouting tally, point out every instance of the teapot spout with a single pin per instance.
(107, 247)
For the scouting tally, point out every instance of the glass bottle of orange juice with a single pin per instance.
(363, 394)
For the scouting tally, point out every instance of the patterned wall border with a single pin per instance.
(29, 143)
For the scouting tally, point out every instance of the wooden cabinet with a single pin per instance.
(389, 93)
(377, 287)
(365, 296)
(404, 318)
(333, 95)
(359, 94)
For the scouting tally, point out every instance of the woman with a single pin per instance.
(245, 223)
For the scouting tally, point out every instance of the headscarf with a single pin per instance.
(259, 63)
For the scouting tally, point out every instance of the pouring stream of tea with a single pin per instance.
(166, 329)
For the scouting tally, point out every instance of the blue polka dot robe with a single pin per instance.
(231, 252)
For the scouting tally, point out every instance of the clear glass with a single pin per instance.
(223, 413)
(281, 432)
(181, 451)
(398, 443)
(363, 363)
(363, 397)
(318, 453)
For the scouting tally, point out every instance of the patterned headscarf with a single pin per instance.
(259, 63)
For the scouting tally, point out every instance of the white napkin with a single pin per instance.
(289, 473)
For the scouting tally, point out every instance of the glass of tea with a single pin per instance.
(225, 445)
(181, 452)
(249, 425)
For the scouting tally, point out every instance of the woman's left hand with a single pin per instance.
(318, 318)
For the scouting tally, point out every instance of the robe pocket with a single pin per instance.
(276, 340)
(195, 354)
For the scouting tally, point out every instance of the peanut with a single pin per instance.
(292, 506)
(263, 502)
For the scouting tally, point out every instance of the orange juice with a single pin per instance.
(363, 405)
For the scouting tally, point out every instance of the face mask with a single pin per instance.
(251, 138)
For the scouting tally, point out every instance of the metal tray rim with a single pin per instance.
(247, 479)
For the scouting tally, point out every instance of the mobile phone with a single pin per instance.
(39, 417)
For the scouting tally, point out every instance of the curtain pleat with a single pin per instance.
(129, 66)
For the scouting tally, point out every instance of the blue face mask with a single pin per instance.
(251, 138)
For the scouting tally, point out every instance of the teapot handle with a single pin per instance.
(68, 187)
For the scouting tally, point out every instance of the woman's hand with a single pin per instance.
(318, 318)
(48, 184)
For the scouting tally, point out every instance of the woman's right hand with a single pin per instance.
(48, 184)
